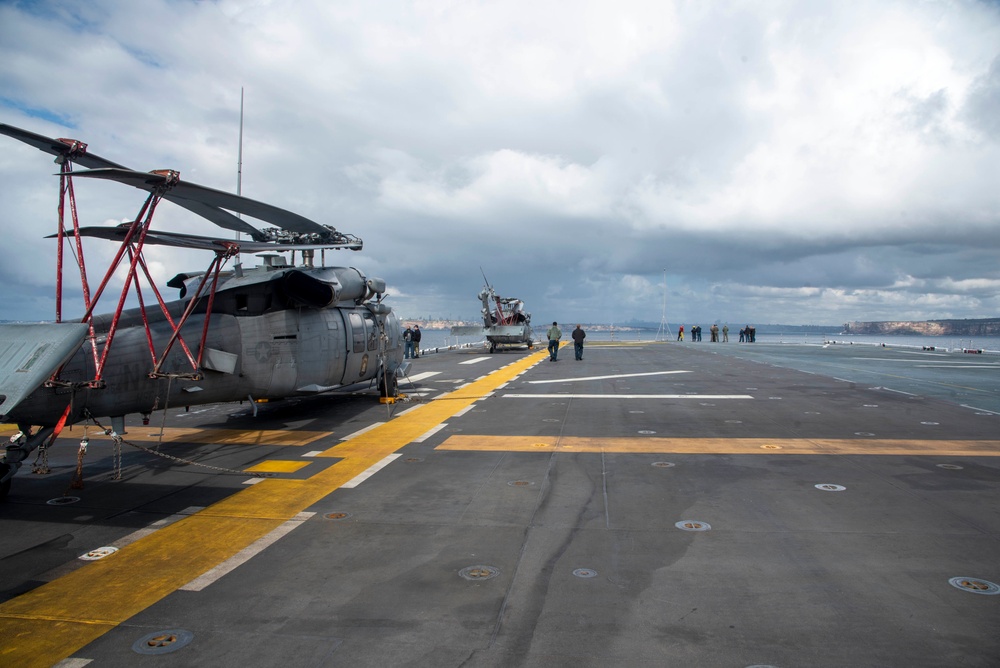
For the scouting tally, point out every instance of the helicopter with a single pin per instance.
(263, 333)
(505, 322)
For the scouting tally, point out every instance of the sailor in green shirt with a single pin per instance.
(554, 334)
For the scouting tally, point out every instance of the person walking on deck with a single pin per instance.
(578, 336)
(554, 334)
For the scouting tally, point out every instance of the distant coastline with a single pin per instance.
(954, 327)
(971, 327)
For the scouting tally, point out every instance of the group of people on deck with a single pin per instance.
(411, 342)
(555, 334)
(748, 334)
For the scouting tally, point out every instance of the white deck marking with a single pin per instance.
(73, 663)
(889, 389)
(246, 554)
(958, 366)
(464, 410)
(626, 396)
(937, 365)
(418, 376)
(982, 410)
(370, 471)
(622, 375)
(313, 453)
(428, 434)
(474, 360)
(361, 431)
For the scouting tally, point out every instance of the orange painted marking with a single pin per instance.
(277, 466)
(725, 446)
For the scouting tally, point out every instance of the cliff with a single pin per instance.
(978, 327)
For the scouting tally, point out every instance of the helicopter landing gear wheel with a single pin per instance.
(493, 347)
(387, 385)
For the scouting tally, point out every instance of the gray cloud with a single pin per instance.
(802, 163)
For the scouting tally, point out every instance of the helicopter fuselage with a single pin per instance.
(269, 337)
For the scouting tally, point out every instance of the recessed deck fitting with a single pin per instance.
(99, 553)
(830, 487)
(162, 642)
(479, 572)
(585, 573)
(336, 516)
(950, 467)
(693, 525)
(63, 500)
(662, 465)
(975, 585)
(520, 483)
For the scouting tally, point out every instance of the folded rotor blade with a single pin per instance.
(180, 240)
(74, 150)
(192, 192)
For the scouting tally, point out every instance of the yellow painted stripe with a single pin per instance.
(186, 435)
(724, 446)
(50, 623)
(278, 466)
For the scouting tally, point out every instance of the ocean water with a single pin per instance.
(441, 338)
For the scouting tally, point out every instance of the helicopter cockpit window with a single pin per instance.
(372, 332)
(357, 332)
(242, 302)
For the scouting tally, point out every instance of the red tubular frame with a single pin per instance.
(132, 245)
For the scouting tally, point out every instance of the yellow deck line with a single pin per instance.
(724, 446)
(150, 433)
(52, 622)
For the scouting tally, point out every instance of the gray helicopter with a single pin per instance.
(263, 333)
(505, 322)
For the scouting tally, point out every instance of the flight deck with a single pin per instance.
(655, 504)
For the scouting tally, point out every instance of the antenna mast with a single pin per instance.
(664, 327)
(239, 180)
(239, 163)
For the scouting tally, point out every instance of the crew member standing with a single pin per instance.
(416, 341)
(554, 334)
(408, 343)
(578, 336)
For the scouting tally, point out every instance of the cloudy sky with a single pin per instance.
(767, 162)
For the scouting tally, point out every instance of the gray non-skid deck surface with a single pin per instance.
(588, 566)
